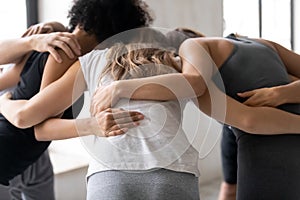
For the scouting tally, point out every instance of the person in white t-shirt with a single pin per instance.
(154, 160)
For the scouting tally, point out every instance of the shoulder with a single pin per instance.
(216, 47)
(95, 57)
(92, 64)
(94, 54)
(267, 43)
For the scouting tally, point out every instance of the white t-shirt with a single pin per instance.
(158, 142)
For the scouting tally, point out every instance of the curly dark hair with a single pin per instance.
(105, 18)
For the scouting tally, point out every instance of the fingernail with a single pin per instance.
(141, 116)
(125, 130)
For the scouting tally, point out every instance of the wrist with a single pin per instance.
(30, 42)
(281, 94)
(84, 126)
(126, 88)
(117, 90)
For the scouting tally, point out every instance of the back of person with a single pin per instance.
(263, 161)
(158, 142)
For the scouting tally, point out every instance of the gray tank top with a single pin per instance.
(253, 65)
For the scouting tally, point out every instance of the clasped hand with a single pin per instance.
(47, 37)
(116, 121)
(112, 120)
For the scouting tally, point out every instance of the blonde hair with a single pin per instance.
(125, 61)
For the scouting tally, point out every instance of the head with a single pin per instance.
(177, 36)
(127, 61)
(105, 18)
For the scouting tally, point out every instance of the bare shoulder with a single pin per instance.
(266, 42)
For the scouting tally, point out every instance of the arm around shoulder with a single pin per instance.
(51, 101)
(255, 120)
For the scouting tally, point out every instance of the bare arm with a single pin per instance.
(197, 69)
(110, 122)
(46, 27)
(11, 77)
(278, 95)
(50, 102)
(13, 50)
(273, 96)
(262, 120)
(256, 120)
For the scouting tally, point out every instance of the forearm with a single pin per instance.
(268, 121)
(111, 122)
(197, 70)
(13, 50)
(289, 93)
(20, 114)
(59, 129)
(256, 120)
(162, 87)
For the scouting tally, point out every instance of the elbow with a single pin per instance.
(40, 137)
(248, 123)
(199, 86)
(38, 133)
(20, 121)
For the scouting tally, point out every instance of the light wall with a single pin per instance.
(54, 10)
(297, 26)
(203, 15)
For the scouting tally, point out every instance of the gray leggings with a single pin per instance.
(159, 184)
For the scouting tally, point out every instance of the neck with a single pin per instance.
(87, 41)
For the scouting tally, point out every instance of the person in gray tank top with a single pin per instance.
(263, 178)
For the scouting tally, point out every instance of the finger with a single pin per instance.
(124, 114)
(253, 102)
(129, 119)
(72, 41)
(246, 94)
(26, 33)
(122, 126)
(64, 47)
(31, 32)
(55, 54)
(37, 30)
(116, 132)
